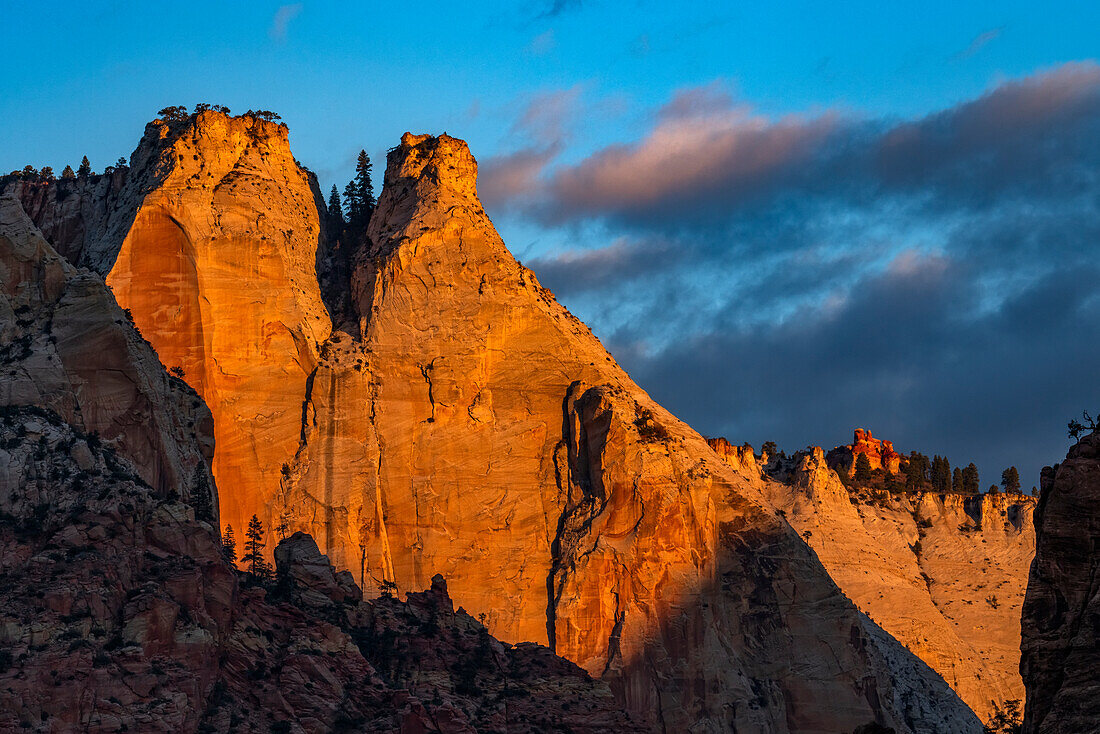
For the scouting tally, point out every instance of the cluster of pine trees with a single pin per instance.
(46, 173)
(254, 544)
(922, 474)
(348, 217)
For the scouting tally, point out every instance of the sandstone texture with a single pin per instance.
(467, 425)
(943, 573)
(880, 454)
(120, 612)
(1061, 634)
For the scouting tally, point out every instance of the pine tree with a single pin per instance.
(971, 483)
(68, 173)
(916, 471)
(863, 469)
(941, 474)
(229, 545)
(956, 480)
(200, 496)
(1010, 479)
(359, 197)
(85, 169)
(335, 212)
(254, 550)
(121, 162)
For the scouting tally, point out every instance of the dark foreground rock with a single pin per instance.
(1061, 616)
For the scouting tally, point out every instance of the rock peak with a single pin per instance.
(440, 161)
(879, 453)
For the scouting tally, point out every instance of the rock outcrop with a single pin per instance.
(120, 612)
(880, 454)
(1061, 634)
(472, 427)
(943, 573)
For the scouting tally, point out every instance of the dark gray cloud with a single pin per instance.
(907, 355)
(933, 279)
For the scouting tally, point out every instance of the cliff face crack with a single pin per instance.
(426, 373)
(613, 641)
(578, 512)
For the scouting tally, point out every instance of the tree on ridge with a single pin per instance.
(229, 545)
(254, 550)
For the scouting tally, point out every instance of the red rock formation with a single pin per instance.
(880, 454)
(1061, 636)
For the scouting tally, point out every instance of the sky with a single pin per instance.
(785, 220)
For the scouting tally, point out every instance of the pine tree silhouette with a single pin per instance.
(254, 550)
(229, 545)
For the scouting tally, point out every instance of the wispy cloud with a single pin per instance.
(542, 44)
(558, 7)
(979, 42)
(281, 20)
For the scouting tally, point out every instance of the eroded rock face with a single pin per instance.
(120, 613)
(473, 428)
(218, 269)
(943, 573)
(1061, 642)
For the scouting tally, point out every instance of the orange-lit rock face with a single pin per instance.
(217, 270)
(944, 574)
(475, 429)
(880, 454)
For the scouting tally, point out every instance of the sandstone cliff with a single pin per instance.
(1061, 638)
(943, 573)
(472, 427)
(119, 611)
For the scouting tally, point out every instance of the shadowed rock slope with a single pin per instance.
(943, 573)
(1061, 617)
(119, 612)
(472, 427)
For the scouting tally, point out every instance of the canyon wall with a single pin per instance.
(120, 612)
(1061, 615)
(943, 573)
(470, 426)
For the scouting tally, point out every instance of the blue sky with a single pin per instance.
(863, 213)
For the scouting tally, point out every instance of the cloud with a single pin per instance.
(542, 44)
(508, 179)
(547, 116)
(979, 42)
(789, 278)
(559, 7)
(281, 19)
(581, 270)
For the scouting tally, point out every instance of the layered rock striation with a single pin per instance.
(1061, 642)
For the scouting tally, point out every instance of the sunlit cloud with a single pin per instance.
(281, 20)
